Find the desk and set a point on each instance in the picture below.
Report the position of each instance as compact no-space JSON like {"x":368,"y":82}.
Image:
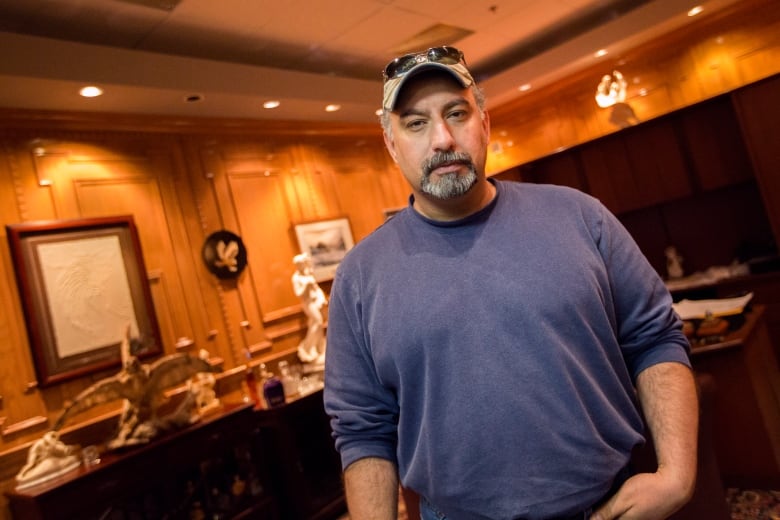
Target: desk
{"x":746,"y":423}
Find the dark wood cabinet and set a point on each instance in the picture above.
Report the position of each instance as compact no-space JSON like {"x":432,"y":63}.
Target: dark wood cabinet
{"x":214,"y":468}
{"x":608,"y":172}
{"x":306,"y":465}
{"x":277,"y":464}
{"x":746,"y":425}
{"x":561,"y":169}
{"x":636,"y":168}
{"x":713,"y":140}
{"x":657,"y":165}
{"x":703,"y":178}
{"x":758,"y":110}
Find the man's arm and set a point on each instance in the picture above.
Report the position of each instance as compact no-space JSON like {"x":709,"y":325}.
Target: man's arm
{"x":667,"y":393}
{"x":371,"y":485}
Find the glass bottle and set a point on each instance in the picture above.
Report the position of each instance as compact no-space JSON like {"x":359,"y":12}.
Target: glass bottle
{"x":273,"y":390}
{"x":251,"y":380}
{"x":288,"y":379}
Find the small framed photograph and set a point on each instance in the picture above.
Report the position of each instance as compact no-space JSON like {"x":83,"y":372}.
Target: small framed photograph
{"x":390,"y":212}
{"x":327,"y":241}
{"x":82,"y":283}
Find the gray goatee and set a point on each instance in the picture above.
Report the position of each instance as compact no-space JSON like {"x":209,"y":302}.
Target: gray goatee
{"x":451,"y":185}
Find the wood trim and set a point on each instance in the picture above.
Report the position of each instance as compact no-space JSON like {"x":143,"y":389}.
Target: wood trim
{"x":11,"y":118}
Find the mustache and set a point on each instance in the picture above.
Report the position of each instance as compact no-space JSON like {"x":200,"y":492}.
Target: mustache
{"x":441,"y":158}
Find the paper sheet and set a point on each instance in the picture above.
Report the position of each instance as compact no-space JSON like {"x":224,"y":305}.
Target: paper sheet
{"x":697,"y":309}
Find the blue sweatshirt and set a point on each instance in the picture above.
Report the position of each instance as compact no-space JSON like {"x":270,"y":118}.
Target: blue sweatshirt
{"x":493,"y":358}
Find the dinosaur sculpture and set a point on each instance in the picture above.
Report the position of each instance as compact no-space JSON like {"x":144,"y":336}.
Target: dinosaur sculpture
{"x":142,"y":387}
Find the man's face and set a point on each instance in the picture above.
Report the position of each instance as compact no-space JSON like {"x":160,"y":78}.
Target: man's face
{"x":438,"y":137}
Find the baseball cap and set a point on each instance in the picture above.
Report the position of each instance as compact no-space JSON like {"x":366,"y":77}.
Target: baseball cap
{"x":401,"y":69}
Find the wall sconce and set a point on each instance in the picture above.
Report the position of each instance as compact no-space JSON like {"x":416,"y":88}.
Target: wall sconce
{"x":611,"y":92}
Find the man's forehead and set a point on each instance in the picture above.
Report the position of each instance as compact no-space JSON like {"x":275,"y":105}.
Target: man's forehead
{"x":426,"y":84}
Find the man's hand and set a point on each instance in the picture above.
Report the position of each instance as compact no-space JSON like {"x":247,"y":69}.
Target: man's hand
{"x":645,"y":496}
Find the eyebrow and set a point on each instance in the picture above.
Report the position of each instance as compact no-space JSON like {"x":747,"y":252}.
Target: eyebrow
{"x":461,"y":100}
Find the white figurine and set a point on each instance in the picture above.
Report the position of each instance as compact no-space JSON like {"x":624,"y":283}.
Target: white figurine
{"x":201,"y":386}
{"x":48,"y":458}
{"x":673,"y":263}
{"x":312,"y":348}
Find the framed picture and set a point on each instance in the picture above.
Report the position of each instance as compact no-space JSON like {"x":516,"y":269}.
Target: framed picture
{"x":390,"y":212}
{"x":81,"y":283}
{"x":327,"y":241}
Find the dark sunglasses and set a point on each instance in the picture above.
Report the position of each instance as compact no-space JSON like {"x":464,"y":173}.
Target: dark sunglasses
{"x":403,"y":64}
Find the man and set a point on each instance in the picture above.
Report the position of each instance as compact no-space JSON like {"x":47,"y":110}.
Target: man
{"x":491,"y":343}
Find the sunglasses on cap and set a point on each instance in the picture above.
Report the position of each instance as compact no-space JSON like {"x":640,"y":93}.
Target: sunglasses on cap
{"x":403,"y":64}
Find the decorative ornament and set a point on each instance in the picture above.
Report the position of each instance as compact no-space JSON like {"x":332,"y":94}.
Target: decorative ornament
{"x":224,"y":254}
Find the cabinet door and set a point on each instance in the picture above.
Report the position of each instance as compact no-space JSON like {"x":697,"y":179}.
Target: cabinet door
{"x":714,"y":143}
{"x":758,"y":109}
{"x":608,"y":174}
{"x":560,"y":169}
{"x":657,"y":162}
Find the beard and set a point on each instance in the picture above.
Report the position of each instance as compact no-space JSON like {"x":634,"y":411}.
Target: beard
{"x":450,"y":185}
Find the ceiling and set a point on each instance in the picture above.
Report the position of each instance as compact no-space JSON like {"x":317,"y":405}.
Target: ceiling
{"x":224,"y":58}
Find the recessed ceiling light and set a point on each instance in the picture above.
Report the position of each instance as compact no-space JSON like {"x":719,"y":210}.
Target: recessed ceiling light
{"x":601,"y":52}
{"x":524,"y":88}
{"x":271,"y":104}
{"x":696,"y":10}
{"x":379,"y":112}
{"x":332,"y":108}
{"x":91,"y":91}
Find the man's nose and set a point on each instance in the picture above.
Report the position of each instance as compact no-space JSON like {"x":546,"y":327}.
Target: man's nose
{"x":442,"y":137}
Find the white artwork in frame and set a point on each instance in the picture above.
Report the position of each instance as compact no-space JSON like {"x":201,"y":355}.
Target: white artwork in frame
{"x":81,"y":283}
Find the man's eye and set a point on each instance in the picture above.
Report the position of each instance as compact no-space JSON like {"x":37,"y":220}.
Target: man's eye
{"x":457,"y":114}
{"x":415,"y":124}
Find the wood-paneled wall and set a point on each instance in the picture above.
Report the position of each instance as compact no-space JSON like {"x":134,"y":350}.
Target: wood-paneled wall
{"x":184,"y":179}
{"x":714,"y":55}
{"x":179,"y":189}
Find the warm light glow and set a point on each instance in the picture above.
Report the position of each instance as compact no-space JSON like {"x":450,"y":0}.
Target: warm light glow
{"x":696,"y":10}
{"x":271,"y":104}
{"x":524,"y":88}
{"x":332,"y":108}
{"x":379,"y":112}
{"x":91,"y":91}
{"x":601,"y":52}
{"x":611,"y":89}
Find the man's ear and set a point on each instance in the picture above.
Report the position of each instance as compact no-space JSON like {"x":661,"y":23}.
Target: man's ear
{"x":390,"y":145}
{"x":486,"y":123}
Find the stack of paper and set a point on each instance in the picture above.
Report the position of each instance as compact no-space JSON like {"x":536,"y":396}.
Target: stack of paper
{"x":698,"y":309}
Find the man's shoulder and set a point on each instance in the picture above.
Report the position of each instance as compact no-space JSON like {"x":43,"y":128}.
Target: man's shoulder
{"x":546,"y":192}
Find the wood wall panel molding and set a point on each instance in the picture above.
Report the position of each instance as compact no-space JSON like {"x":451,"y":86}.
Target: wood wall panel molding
{"x":15,"y":120}
{"x":26,"y":425}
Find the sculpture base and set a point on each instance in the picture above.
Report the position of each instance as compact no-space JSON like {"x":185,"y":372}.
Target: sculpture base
{"x":61,"y":467}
